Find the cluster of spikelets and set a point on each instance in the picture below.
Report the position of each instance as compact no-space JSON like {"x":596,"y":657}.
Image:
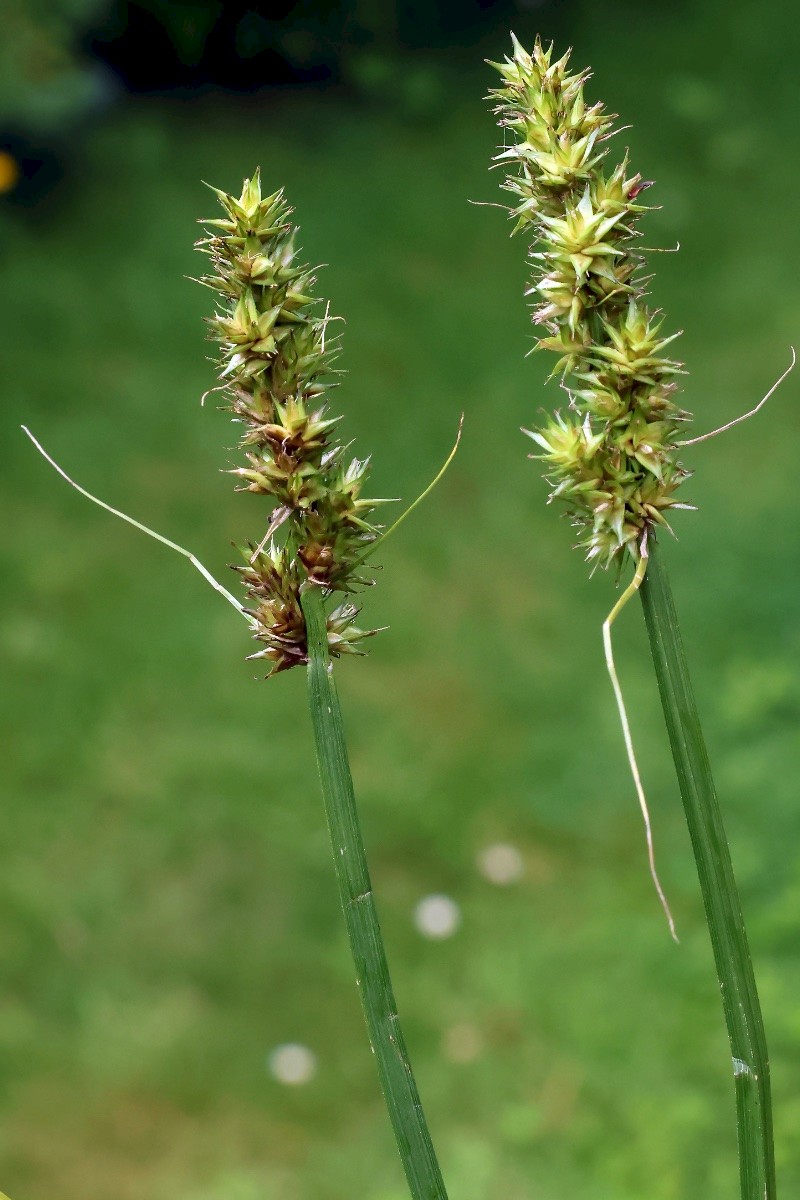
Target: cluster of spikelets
{"x":612,"y":456}
{"x":276,"y":365}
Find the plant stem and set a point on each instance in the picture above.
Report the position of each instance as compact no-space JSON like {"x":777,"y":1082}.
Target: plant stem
{"x":718,"y":885}
{"x":361,"y":917}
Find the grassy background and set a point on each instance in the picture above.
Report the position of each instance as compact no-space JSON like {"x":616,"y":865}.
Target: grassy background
{"x":167,"y":905}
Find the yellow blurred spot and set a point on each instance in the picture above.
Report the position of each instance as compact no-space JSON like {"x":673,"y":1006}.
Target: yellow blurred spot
{"x":9,"y":177}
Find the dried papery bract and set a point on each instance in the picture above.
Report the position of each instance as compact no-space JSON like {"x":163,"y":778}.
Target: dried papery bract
{"x":612,"y":461}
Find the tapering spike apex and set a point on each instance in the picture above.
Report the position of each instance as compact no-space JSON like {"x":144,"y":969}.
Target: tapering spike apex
{"x":276,"y":359}
{"x":614,"y":464}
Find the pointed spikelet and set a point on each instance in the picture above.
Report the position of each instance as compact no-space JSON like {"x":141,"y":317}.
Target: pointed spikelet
{"x":613,"y":461}
{"x":275,"y":367}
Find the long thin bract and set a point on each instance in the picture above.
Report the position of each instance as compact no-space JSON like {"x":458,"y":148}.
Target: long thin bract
{"x":361,"y":917}
{"x":704,"y":437}
{"x":415,"y":504}
{"x":627,"y":595}
{"x":159,"y":537}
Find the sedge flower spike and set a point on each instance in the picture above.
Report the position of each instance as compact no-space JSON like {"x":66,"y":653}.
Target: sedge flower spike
{"x":276,"y":365}
{"x":275,"y":369}
{"x":611,"y":458}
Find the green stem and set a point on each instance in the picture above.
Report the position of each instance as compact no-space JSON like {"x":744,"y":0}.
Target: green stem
{"x":361,"y":917}
{"x":718,"y":885}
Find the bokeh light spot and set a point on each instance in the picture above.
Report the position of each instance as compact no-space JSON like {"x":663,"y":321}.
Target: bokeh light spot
{"x":437,"y":917}
{"x":292,"y":1064}
{"x":9,"y":171}
{"x":501,"y":864}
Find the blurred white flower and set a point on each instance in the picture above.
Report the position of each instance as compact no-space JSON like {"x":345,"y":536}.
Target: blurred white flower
{"x":292,"y":1064}
{"x":437,"y":917}
{"x":501,"y":864}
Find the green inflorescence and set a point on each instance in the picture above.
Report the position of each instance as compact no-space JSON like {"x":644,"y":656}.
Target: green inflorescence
{"x":611,"y":457}
{"x":276,"y":366}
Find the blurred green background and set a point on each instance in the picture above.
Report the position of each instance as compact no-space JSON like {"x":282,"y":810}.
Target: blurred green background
{"x":168,"y":910}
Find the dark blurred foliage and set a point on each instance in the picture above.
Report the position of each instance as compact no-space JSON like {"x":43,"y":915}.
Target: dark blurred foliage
{"x":63,"y":63}
{"x":46,"y":85}
{"x":244,"y":46}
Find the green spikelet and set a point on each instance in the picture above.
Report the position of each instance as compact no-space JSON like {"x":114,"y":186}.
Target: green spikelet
{"x":275,"y":367}
{"x":612,"y":458}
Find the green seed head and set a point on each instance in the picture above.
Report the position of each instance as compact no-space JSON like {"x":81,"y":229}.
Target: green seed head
{"x":612,"y":461}
{"x":275,"y":365}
